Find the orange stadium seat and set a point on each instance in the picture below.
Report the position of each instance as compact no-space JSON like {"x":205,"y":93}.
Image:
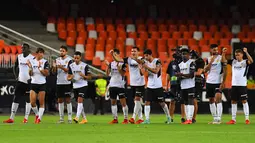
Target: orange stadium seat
{"x":96,"y":62}
{"x":80,"y":27}
{"x":13,"y":58}
{"x":70,"y":41}
{"x":140,"y":43}
{"x":162,"y":48}
{"x":113,"y":35}
{"x":7,"y":49}
{"x":80,"y":40}
{"x":70,"y":26}
{"x":143,"y":35}
{"x":218,"y":35}
{"x":228,"y":35}
{"x":195,"y":47}
{"x":213,"y":41}
{"x":89,"y":55}
{"x":103,"y":34}
{"x":192,"y":28}
{"x":62,"y":34}
{"x":120,"y":27}
{"x":110,"y":41}
{"x":171,"y":42}
{"x":90,"y":27}
{"x":19,"y":49}
{"x":162,"y":27}
{"x":152,"y":28}
{"x":72,"y":34}
{"x":13,"y":49}
{"x":172,"y":28}
{"x":101,"y":41}
{"x":241,"y":35}
{"x":141,"y":28}
{"x":165,"y":35}
{"x":251,"y":35}
{"x":110,"y":27}
{"x":176,"y":35}
{"x":202,"y":42}
{"x":61,"y":26}
{"x":224,"y":41}
{"x":246,"y":28}
{"x":100,"y":27}
{"x":202,"y":28}
{"x":207,"y":35}
{"x":91,"y":41}
{"x":192,"y":41}
{"x":132,"y":35}
{"x":161,"y":42}
{"x":183,"y":28}
{"x":122,"y":34}
{"x":155,"y":35}
{"x":187,"y":35}
{"x":151,"y":41}
{"x":108,"y":48}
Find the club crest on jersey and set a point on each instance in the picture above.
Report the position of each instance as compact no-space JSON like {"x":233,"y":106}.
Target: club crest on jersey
{"x":174,"y":67}
{"x":81,"y":68}
{"x":243,"y":65}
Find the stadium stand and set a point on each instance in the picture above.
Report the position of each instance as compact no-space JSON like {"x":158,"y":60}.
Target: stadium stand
{"x":94,"y":29}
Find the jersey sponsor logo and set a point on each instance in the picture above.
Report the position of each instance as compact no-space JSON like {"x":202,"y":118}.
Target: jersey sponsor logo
{"x":23,"y":64}
{"x":184,"y":69}
{"x":7,"y":90}
{"x":238,"y":67}
{"x":133,"y":65}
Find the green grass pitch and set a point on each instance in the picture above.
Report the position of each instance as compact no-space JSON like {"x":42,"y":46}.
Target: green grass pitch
{"x":99,"y":131}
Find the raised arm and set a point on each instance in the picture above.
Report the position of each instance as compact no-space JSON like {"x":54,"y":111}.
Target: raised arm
{"x":250,"y":60}
{"x":209,"y":64}
{"x":154,"y":70}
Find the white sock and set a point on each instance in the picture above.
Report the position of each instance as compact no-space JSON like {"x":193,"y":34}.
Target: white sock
{"x":234,"y":110}
{"x":14,"y":109}
{"x":137,"y":108}
{"x":79,"y":110}
{"x":61,"y":110}
{"x":41,"y":111}
{"x":213,"y":110}
{"x":83,"y":114}
{"x":166,"y":110}
{"x":219,"y":110}
{"x":147,"y":110}
{"x":114,"y":111}
{"x":191,"y":111}
{"x":140,"y":113}
{"x":35,"y":109}
{"x":69,"y":111}
{"x":125,"y":112}
{"x":28,"y":109}
{"x":246,"y":110}
{"x":186,"y":111}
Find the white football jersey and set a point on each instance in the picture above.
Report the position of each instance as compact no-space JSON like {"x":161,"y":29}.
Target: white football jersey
{"x":186,"y":68}
{"x":75,"y":70}
{"x":117,"y":80}
{"x":23,"y":67}
{"x":215,"y":73}
{"x":136,"y":78}
{"x":38,"y":77}
{"x":61,"y":74}
{"x":239,"y":72}
{"x":154,"y":80}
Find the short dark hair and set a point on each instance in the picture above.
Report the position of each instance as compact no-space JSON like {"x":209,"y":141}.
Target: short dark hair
{"x":77,"y":53}
{"x":212,"y":46}
{"x":116,"y":51}
{"x":137,"y":48}
{"x":39,"y":50}
{"x":148,"y":51}
{"x":25,"y":45}
{"x":63,"y":47}
{"x":239,"y":51}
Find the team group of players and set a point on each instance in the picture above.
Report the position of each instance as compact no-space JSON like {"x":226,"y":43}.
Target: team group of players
{"x":185,"y":77}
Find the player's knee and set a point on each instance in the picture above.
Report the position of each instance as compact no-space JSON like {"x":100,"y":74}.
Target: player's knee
{"x":113,"y":101}
{"x":80,"y":100}
{"x":244,"y":101}
{"x":68,"y":100}
{"x":233,"y":102}
{"x":147,"y":103}
{"x":211,"y":100}
{"x":60,"y":100}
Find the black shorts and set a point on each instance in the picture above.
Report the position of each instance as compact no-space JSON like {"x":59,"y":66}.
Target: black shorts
{"x":198,"y":90}
{"x":187,"y":93}
{"x":212,"y":89}
{"x":63,"y":91}
{"x":174,"y":91}
{"x":239,"y":92}
{"x":21,"y":89}
{"x":137,"y":91}
{"x":116,"y":91}
{"x":80,"y":92}
{"x":154,"y":95}
{"x":38,"y":87}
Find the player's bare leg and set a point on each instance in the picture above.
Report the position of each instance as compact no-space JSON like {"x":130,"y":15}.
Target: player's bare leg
{"x":137,"y":108}
{"x":33,"y":104}
{"x":147,"y":110}
{"x":219,"y":107}
{"x":125,"y":110}
{"x":69,"y":109}
{"x":172,"y":109}
{"x":41,"y":96}
{"x":195,"y":111}
{"x":114,"y":111}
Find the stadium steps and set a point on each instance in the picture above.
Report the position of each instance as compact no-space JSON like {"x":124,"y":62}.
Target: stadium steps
{"x":34,"y":30}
